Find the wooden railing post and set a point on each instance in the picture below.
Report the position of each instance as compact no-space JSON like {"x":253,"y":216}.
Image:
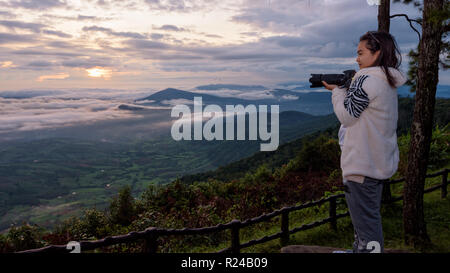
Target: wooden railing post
{"x":284,"y":241}
{"x":386,"y":195}
{"x":333,"y":223}
{"x":151,"y":244}
{"x":444,"y":184}
{"x":235,"y":242}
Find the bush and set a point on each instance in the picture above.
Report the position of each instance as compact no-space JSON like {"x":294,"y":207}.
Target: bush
{"x":261,"y":175}
{"x":93,"y":224}
{"x":25,"y":237}
{"x":322,"y":155}
{"x":5,"y":247}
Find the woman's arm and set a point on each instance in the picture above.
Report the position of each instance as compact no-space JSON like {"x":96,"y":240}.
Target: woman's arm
{"x":338,"y":97}
{"x":342,"y":114}
{"x":349,"y":105}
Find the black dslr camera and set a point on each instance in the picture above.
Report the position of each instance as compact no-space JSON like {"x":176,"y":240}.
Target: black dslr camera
{"x":341,"y":80}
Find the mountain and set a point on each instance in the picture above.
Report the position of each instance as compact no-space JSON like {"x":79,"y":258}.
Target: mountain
{"x":161,"y":98}
{"x":314,"y":103}
{"x":231,"y":86}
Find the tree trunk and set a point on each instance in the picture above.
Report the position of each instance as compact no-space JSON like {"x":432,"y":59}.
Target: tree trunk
{"x":383,"y":15}
{"x":421,"y":129}
{"x":384,"y":21}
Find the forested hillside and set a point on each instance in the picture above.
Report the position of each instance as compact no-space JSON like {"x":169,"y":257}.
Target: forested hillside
{"x":288,"y":150}
{"x":299,"y":171}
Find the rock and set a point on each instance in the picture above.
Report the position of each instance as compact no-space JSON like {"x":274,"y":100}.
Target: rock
{"x":308,"y":249}
{"x":325,"y":249}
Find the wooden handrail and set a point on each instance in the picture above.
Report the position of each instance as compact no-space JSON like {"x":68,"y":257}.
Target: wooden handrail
{"x":151,"y":234}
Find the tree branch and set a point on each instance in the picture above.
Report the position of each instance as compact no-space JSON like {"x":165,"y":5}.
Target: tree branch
{"x":410,"y":22}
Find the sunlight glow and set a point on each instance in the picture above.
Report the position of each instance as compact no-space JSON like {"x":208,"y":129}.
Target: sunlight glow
{"x":98,"y":72}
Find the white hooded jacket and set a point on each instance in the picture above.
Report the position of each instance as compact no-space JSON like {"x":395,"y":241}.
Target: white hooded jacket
{"x":369,"y":112}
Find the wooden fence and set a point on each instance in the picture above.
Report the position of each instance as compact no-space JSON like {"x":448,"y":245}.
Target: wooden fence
{"x":150,"y":235}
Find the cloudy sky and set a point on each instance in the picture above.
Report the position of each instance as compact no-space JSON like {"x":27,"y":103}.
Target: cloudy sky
{"x":154,"y":44}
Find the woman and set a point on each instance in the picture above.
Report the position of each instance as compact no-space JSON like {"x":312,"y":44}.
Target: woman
{"x":368,"y":114}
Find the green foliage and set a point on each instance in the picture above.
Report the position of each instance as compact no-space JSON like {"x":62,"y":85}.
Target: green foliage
{"x":321,"y":154}
{"x":175,"y":196}
{"x":416,"y":3}
{"x":439,"y":148}
{"x":439,"y":155}
{"x":93,"y":224}
{"x":147,"y":219}
{"x":5,"y":247}
{"x":413,"y":68}
{"x":335,"y":174}
{"x":25,"y":237}
{"x":122,"y":207}
{"x":261,"y":175}
{"x":441,"y":116}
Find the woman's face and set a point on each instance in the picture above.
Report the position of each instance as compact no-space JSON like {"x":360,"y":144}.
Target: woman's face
{"x":365,"y":57}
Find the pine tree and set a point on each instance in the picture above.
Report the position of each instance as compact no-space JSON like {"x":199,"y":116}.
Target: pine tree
{"x":426,"y":82}
{"x":122,"y":207}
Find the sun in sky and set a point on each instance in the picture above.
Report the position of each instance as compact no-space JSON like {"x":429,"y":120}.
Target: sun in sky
{"x":99,"y":72}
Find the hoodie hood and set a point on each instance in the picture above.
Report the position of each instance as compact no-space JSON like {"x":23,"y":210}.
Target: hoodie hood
{"x":377,"y":71}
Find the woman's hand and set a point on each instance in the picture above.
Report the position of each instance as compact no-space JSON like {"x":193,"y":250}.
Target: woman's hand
{"x":329,"y":86}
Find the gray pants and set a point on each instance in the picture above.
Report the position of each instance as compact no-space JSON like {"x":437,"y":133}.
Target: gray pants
{"x":364,"y":202}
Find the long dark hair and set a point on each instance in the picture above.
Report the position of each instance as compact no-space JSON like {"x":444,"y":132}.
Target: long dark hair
{"x":390,"y":55}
